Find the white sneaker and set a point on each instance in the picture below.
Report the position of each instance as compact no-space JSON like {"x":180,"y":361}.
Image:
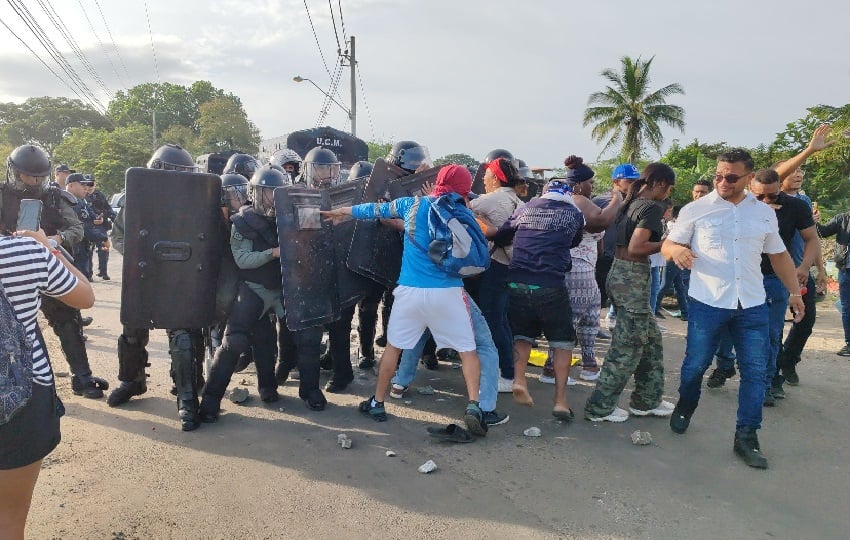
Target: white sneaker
{"x":617,"y":415}
{"x":397,"y":391}
{"x":505,"y":385}
{"x":588,"y":375}
{"x":571,"y":381}
{"x":665,"y":408}
{"x":547,"y":380}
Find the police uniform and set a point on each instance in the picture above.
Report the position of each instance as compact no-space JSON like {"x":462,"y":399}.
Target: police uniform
{"x":100,"y":206}
{"x":92,"y":235}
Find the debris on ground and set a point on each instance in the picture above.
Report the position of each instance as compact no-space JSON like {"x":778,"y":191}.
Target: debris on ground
{"x":343,"y":440}
{"x":390,"y":453}
{"x":641,"y":437}
{"x":239,"y":395}
{"x":428,"y":467}
{"x":532,"y":432}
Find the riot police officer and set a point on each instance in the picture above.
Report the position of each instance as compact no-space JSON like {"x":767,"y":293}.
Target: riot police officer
{"x":288,"y":160}
{"x":254,"y":243}
{"x":104,"y":216}
{"x":27,"y":170}
{"x":186,"y":346}
{"x":92,"y":235}
{"x":243,"y":164}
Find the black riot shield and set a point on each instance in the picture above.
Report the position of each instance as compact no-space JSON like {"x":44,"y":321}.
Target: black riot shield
{"x":306,"y":257}
{"x":375,"y":250}
{"x":350,"y":286}
{"x":414,"y":185}
{"x":478,"y":180}
{"x":172,"y":248}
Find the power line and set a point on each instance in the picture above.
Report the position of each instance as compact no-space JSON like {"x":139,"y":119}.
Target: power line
{"x":29,"y":20}
{"x":309,"y":18}
{"x":333,"y":20}
{"x":108,"y":31}
{"x":50,"y":69}
{"x":102,"y":46}
{"x":54,"y":18}
{"x":342,"y":21}
{"x":155,"y":63}
{"x":331,"y":91}
{"x":366,"y":103}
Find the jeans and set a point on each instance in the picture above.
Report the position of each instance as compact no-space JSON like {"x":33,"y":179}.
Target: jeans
{"x":844,"y":296}
{"x":492,"y":298}
{"x":751,"y":339}
{"x":487,"y":354}
{"x":654,"y":288}
{"x":674,"y":279}
{"x":777,"y":304}
{"x":725,"y":354}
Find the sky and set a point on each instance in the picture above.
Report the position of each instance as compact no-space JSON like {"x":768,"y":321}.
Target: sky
{"x":462,"y":76}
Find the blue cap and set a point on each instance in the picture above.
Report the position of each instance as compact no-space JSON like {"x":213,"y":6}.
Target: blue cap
{"x":625,"y":171}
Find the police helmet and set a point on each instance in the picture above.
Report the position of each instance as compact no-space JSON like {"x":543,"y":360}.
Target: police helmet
{"x":321,"y":168}
{"x":261,"y":189}
{"x":409,"y":155}
{"x":242,"y":164}
{"x":360,"y":169}
{"x":289,"y":160}
{"x":500,"y":153}
{"x":234,"y":191}
{"x":172,"y":157}
{"x":31,"y":161}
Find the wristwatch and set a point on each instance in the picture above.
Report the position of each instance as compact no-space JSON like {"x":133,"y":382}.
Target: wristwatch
{"x":62,"y":237}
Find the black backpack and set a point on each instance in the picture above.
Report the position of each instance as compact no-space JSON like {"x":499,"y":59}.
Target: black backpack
{"x":15,"y":361}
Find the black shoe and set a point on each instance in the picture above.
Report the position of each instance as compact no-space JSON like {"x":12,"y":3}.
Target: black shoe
{"x":790,"y":375}
{"x":769,"y":399}
{"x":474,"y":419}
{"x":326,"y":361}
{"x":269,"y":395}
{"x":495,"y":418}
{"x":88,"y":387}
{"x":245,"y":360}
{"x":683,"y":318}
{"x":718,"y":378}
{"x":85,"y":321}
{"x":845,"y":350}
{"x":366,"y":362}
{"x":679,"y":420}
{"x":381,"y":341}
{"x":377,"y":411}
{"x":430,"y":362}
{"x":335,"y":386}
{"x":747,"y":446}
{"x":209,"y":410}
{"x":315,"y":400}
{"x":125,"y":391}
{"x":105,"y":277}
{"x":660,"y":316}
{"x":188,"y":411}
{"x":776,"y":387}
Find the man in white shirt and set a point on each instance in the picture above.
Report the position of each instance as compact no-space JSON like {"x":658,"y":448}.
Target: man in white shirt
{"x":720,"y":238}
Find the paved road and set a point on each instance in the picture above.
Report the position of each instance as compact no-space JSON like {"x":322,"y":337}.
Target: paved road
{"x":276,"y":471}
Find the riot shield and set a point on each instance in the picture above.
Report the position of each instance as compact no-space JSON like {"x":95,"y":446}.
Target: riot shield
{"x":172,"y":248}
{"x":306,"y":257}
{"x":413,"y":185}
{"x":535,"y":189}
{"x":375,"y":250}
{"x":478,"y":180}
{"x":350,"y":287}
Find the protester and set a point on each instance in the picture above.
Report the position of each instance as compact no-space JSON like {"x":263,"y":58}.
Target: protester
{"x":32,"y":268}
{"x":636,"y":341}
{"x":721,"y":237}
{"x":839,"y":227}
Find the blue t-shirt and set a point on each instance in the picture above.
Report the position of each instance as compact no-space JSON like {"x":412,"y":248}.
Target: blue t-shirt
{"x":417,"y":270}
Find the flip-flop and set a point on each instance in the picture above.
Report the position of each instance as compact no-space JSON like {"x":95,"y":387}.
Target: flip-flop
{"x":564,"y":416}
{"x":450,"y":433}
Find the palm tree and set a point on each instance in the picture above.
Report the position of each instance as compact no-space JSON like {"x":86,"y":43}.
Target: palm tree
{"x":628,"y":112}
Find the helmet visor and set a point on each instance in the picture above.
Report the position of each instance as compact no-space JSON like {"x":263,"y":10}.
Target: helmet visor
{"x":234,"y":197}
{"x":413,"y":158}
{"x":264,"y":200}
{"x":322,"y":176}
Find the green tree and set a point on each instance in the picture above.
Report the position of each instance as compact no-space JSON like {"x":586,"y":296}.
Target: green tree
{"x":461,"y":159}
{"x":225,"y":126}
{"x":45,"y":121}
{"x":378,"y":149}
{"x":628,"y":113}
{"x":106,"y":154}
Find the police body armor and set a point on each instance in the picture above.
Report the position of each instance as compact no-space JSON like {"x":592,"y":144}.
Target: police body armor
{"x":51,"y":219}
{"x":317,"y":285}
{"x":375,"y":250}
{"x":263,"y":234}
{"x":172,"y":249}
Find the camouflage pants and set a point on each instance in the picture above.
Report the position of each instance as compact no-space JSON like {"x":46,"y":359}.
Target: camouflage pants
{"x":635,"y":344}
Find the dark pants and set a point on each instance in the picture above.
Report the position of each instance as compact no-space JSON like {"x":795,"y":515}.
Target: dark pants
{"x":799,"y":334}
{"x":247,"y":324}
{"x":367,"y":320}
{"x":339,"y":341}
{"x":82,"y":258}
{"x":674,"y":281}
{"x":603,"y":266}
{"x":102,"y":261}
{"x":493,"y":300}
{"x":67,"y":324}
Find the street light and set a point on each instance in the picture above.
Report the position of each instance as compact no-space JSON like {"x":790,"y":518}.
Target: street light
{"x":299,"y":78}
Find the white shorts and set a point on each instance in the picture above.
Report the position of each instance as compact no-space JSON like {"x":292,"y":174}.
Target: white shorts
{"x":443,"y":311}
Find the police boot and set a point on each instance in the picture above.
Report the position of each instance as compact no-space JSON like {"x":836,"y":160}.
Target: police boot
{"x":184,"y":376}
{"x":70,"y":336}
{"x":132,"y":361}
{"x":747,"y":446}
{"x":308,"y":343}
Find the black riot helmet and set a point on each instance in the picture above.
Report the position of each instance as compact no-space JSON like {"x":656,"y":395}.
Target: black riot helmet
{"x":242,"y":164}
{"x":321,"y":168}
{"x":234,"y":192}
{"x":409,"y":155}
{"x":172,"y":157}
{"x":360,"y":169}
{"x":524,"y":169}
{"x":31,"y":161}
{"x":288,"y":160}
{"x":261,"y":189}
{"x":500,"y":153}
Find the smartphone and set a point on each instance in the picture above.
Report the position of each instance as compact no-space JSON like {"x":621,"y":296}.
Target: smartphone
{"x":29,"y":215}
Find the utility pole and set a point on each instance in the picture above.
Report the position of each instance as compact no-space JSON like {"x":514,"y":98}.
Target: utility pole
{"x":353,"y":62}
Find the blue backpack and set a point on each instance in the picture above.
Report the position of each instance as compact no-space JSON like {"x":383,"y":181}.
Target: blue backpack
{"x":457,"y":245}
{"x":15,"y":361}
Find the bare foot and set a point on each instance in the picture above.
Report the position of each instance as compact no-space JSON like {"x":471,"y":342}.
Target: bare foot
{"x":522,"y":396}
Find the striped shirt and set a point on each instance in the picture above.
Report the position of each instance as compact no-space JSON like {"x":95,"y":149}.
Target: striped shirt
{"x":26,"y":269}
